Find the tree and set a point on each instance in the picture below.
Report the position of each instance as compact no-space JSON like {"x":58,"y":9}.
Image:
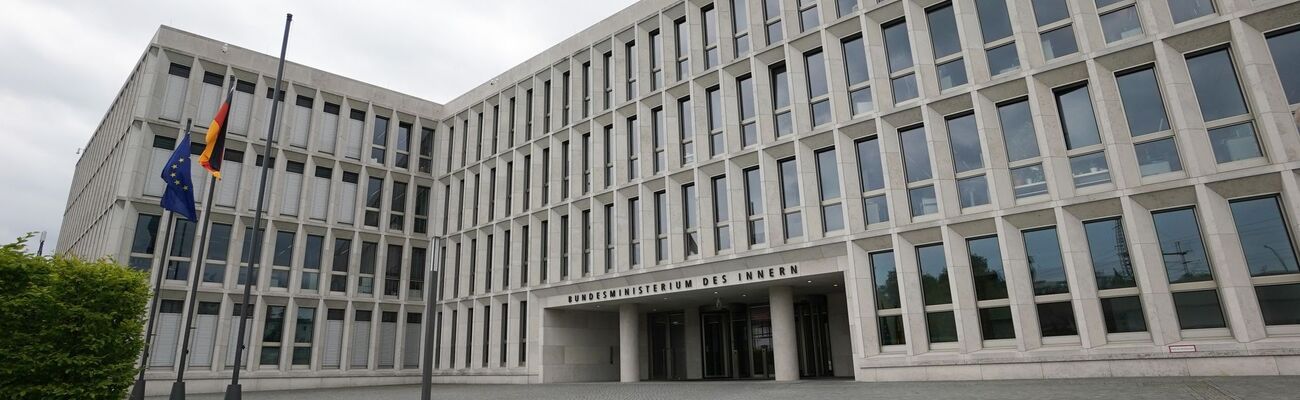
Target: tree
{"x":69,"y":328}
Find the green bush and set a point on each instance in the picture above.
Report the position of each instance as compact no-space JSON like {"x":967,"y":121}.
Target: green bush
{"x":69,"y":329}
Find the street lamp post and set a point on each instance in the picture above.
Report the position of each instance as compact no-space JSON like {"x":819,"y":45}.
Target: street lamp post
{"x":426,"y":373}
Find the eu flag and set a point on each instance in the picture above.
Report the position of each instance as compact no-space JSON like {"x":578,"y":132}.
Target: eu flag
{"x":179,"y":196}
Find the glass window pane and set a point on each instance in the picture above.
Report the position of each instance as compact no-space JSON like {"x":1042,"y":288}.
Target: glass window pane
{"x":861,"y":101}
{"x":1057,"y":319}
{"x":891,"y":331}
{"x":1121,"y":24}
{"x":828,"y":175}
{"x":1018,"y":130}
{"x":973,"y":191}
{"x":793,"y":225}
{"x":816,"y":69}
{"x":833,"y":217}
{"x":1049,"y":11}
{"x":1123,"y":314}
{"x":934,"y":275}
{"x":1199,"y":310}
{"x":1181,"y":246}
{"x":789,"y":183}
{"x":964,"y":138}
{"x":952,"y":74}
{"x":1003,"y":59}
{"x":1286,"y":52}
{"x":821,"y":112}
{"x":1186,"y":10}
{"x":916,"y":154}
{"x":885,"y":277}
{"x":986,"y":267}
{"x":1235,"y":142}
{"x":1074,"y":105}
{"x":1215,"y":82}
{"x":996,"y":323}
{"x":898,"y":48}
{"x":1028,"y":181}
{"x":1158,"y":157}
{"x":855,"y":60}
{"x":1265,"y":240}
{"x":876,"y":209}
{"x":1090,"y":169}
{"x":923,"y":201}
{"x":1280,"y":304}
{"x":995,"y":23}
{"x":869,"y":164}
{"x":780,"y":87}
{"x":943,"y":31}
{"x":1046,"y":268}
{"x":1109,"y":253}
{"x":1143,"y":107}
{"x":785,"y":123}
{"x":941,"y":326}
{"x":904,"y":88}
{"x":753,"y":192}
{"x":1058,"y":42}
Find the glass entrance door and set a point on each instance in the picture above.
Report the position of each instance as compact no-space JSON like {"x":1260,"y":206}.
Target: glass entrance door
{"x":668,"y":346}
{"x":812,"y":337}
{"x":716,"y":343}
{"x":760,"y":335}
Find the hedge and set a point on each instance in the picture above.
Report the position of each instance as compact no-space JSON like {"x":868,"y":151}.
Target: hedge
{"x":69,"y":328}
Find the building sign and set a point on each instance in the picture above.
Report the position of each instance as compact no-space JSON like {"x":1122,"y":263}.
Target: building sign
{"x":687,"y":284}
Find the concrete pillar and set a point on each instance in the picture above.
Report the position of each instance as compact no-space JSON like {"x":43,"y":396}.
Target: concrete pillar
{"x":629,"y":360}
{"x":694,"y":345}
{"x":785,"y":350}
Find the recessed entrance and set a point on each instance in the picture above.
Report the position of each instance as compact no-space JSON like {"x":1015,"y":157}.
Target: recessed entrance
{"x":668,"y":346}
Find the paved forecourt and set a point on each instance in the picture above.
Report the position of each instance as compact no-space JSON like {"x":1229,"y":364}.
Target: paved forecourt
{"x":1101,"y":388}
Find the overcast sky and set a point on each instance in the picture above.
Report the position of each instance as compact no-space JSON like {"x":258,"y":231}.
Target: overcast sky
{"x":64,"y":62}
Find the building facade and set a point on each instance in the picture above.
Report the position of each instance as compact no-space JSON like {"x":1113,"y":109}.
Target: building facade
{"x":732,"y":189}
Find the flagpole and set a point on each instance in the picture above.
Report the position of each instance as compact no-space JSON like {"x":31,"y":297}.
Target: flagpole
{"x":137,"y":391}
{"x":426,"y":374}
{"x":233,"y":391}
{"x":178,"y":388}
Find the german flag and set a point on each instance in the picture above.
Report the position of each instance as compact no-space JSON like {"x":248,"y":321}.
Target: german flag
{"x":216,"y":137}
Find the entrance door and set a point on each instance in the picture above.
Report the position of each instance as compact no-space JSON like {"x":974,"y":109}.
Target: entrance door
{"x":760,"y":334}
{"x":813,"y":337}
{"x":717,"y":344}
{"x":668,"y":346}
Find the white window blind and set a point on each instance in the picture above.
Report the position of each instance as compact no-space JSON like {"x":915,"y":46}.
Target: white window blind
{"x":174,"y":99}
{"x":360,"y":349}
{"x":333,"y":344}
{"x":228,"y":187}
{"x":165,"y":340}
{"x":205,"y":337}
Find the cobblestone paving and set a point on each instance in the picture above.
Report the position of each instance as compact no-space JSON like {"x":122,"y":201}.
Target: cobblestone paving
{"x":1108,"y":389}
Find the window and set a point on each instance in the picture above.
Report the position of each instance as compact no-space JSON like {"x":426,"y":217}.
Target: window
{"x":415,"y":273}
{"x":586,"y":242}
{"x":999,"y":45}
{"x":272,"y":336}
{"x":630,"y":61}
{"x":1051,"y":287}
{"x":292,"y":190}
{"x":682,"y":50}
{"x":374,"y":194}
{"x":366,"y":280}
{"x":783,"y":118}
{"x":691,"y":220}
{"x":1270,"y":256}
{"x":178,"y":77}
{"x":422,"y":197}
{"x":214,"y":269}
{"x":1018,"y":130}
{"x":661,"y":226}
{"x":990,"y":288}
{"x":1077,"y":119}
{"x":523,"y":332}
{"x":686,"y":129}
{"x":282,"y":259}
{"x":889,"y":303}
{"x":397,"y":207}
{"x":607,"y":79}
{"x":857,"y":73}
{"x":633,"y":231}
{"x":402,"y":156}
{"x":504,"y":323}
{"x":469,"y":336}
{"x":656,"y":60}
{"x":1188,"y":268}
{"x":898,"y":49}
{"x":311,"y":262}
{"x":143,"y":241}
{"x":505,"y":261}
{"x":210,"y":98}
{"x":393,"y":270}
{"x":564,"y":247}
{"x":1187,"y":10}
{"x":947,"y":46}
{"x":748,"y":112}
{"x":303,"y":329}
{"x":721,"y":214}
{"x":713,"y":100}
{"x":1090,"y":169}
{"x":1285,"y":47}
{"x":546,"y":107}
{"x":487,"y":328}
{"x":609,"y":237}
{"x":608,"y":152}
{"x":968,"y":160}
{"x":586,"y":165}
{"x":772,"y":21}
{"x":659,"y":141}
{"x":379,"y":142}
{"x":792,"y":216}
{"x":473,"y":267}
{"x":341,"y":263}
{"x":845,"y":7}
{"x":523,"y":258}
{"x":1054,"y":28}
{"x":936,"y":293}
{"x":828,"y":185}
{"x":565,"y":98}
{"x":710,"y":28}
{"x":1214,"y":79}
{"x":565,"y":173}
{"x":1123,"y":314}
{"x":818,"y":88}
{"x":633,"y":127}
{"x":528,"y":182}
{"x":528,"y":114}
{"x":740,"y":26}
{"x":916,"y":168}
{"x":1108,"y":249}
{"x":808,"y":15}
{"x":1119,"y":20}
{"x":754,"y":207}
{"x":872,"y":180}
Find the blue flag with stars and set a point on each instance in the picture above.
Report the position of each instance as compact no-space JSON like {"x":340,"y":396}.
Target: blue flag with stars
{"x":179,"y":196}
